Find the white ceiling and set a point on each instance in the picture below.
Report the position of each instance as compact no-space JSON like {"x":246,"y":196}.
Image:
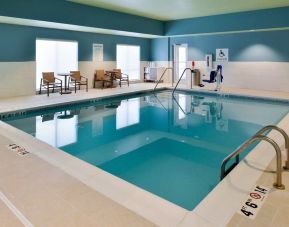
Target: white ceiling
{"x":179,"y":9}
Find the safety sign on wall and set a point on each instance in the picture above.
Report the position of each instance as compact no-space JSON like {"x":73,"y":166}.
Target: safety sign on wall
{"x":222,"y":55}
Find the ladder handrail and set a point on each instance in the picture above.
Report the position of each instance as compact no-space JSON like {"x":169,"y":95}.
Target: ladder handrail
{"x":162,"y":77}
{"x":174,"y":98}
{"x":160,"y":102}
{"x":286,"y":138}
{"x":181,"y":78}
{"x":278,"y":184}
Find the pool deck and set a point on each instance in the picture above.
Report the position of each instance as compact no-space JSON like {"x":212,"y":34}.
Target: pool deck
{"x":48,"y":187}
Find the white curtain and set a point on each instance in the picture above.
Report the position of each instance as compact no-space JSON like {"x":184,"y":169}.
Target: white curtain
{"x":128,"y":60}
{"x":55,"y":56}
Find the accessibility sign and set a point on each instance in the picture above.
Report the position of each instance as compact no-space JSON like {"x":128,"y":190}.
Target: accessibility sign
{"x":222,"y":55}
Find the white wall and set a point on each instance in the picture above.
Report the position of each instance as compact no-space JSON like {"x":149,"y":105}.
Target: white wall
{"x":272,"y":76}
{"x":17,"y":79}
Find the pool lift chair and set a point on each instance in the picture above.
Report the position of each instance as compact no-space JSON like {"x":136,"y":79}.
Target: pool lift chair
{"x":216,"y":76}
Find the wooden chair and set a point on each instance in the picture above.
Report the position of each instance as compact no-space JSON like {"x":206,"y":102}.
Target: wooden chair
{"x":101,"y":76}
{"x":76,"y":80}
{"x":121,"y":77}
{"x":49,"y":81}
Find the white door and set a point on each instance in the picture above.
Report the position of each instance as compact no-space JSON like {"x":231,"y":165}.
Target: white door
{"x":180,"y":61}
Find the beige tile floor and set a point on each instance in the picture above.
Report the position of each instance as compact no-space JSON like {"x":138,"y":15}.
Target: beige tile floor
{"x":7,"y":218}
{"x":26,"y":102}
{"x":275,"y":211}
{"x":47,"y":196}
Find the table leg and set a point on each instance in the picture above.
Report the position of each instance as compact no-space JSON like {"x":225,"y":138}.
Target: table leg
{"x":66,"y":91}
{"x":112,"y":77}
{"x":65,"y":82}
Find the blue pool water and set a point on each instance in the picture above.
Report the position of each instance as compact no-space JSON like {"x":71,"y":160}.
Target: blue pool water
{"x":172,"y":147}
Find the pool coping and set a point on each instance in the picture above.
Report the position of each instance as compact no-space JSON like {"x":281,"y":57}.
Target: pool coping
{"x":151,"y":207}
{"x":75,"y":102}
{"x":22,"y":111}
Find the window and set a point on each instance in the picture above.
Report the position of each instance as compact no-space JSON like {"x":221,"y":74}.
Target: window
{"x":97,"y":50}
{"x":128,"y":60}
{"x":127,"y":113}
{"x":55,"y":56}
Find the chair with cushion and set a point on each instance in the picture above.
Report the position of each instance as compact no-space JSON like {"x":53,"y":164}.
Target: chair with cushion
{"x":101,"y":76}
{"x":49,"y":81}
{"x":76,"y":80}
{"x":121,"y":77}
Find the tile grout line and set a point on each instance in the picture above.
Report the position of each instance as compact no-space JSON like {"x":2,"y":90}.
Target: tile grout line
{"x":15,"y":211}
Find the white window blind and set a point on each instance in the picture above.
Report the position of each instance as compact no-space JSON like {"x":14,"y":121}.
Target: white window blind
{"x":128,"y":60}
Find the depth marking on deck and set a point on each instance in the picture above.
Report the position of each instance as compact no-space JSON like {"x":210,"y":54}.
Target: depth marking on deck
{"x":254,"y":201}
{"x":18,"y":149}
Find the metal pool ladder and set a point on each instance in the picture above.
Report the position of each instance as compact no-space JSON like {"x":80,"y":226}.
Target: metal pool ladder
{"x":259,"y":136}
{"x":162,"y":77}
{"x":192,"y":71}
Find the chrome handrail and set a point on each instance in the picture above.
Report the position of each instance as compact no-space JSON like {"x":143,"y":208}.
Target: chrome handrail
{"x":160,"y":102}
{"x":278,"y":184}
{"x":286,"y":138}
{"x":162,"y":77}
{"x":174,"y":98}
{"x":191,"y":70}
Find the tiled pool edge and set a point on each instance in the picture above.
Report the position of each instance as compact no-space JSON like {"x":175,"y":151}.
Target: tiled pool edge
{"x":235,"y":187}
{"x":23,"y":111}
{"x":74,"y":102}
{"x":143,"y":203}
{"x":199,"y":216}
{"x":225,"y":94}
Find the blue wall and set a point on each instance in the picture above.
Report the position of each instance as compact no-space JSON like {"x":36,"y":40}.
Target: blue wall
{"x":251,"y":46}
{"x":160,"y":49}
{"x":62,"y":11}
{"x":260,"y":19}
{"x":17,"y":43}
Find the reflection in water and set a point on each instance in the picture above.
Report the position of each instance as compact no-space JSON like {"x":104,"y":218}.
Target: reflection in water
{"x":57,"y":129}
{"x":128,"y":113}
{"x":182,"y":106}
{"x":169,"y":146}
{"x":210,"y":109}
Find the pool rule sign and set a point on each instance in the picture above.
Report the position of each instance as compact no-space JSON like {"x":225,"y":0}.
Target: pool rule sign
{"x":254,"y":202}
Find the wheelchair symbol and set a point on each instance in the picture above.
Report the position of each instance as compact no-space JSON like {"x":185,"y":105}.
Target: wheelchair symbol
{"x":221,"y":54}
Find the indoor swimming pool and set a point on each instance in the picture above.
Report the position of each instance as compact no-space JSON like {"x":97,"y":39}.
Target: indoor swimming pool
{"x":171,"y":146}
